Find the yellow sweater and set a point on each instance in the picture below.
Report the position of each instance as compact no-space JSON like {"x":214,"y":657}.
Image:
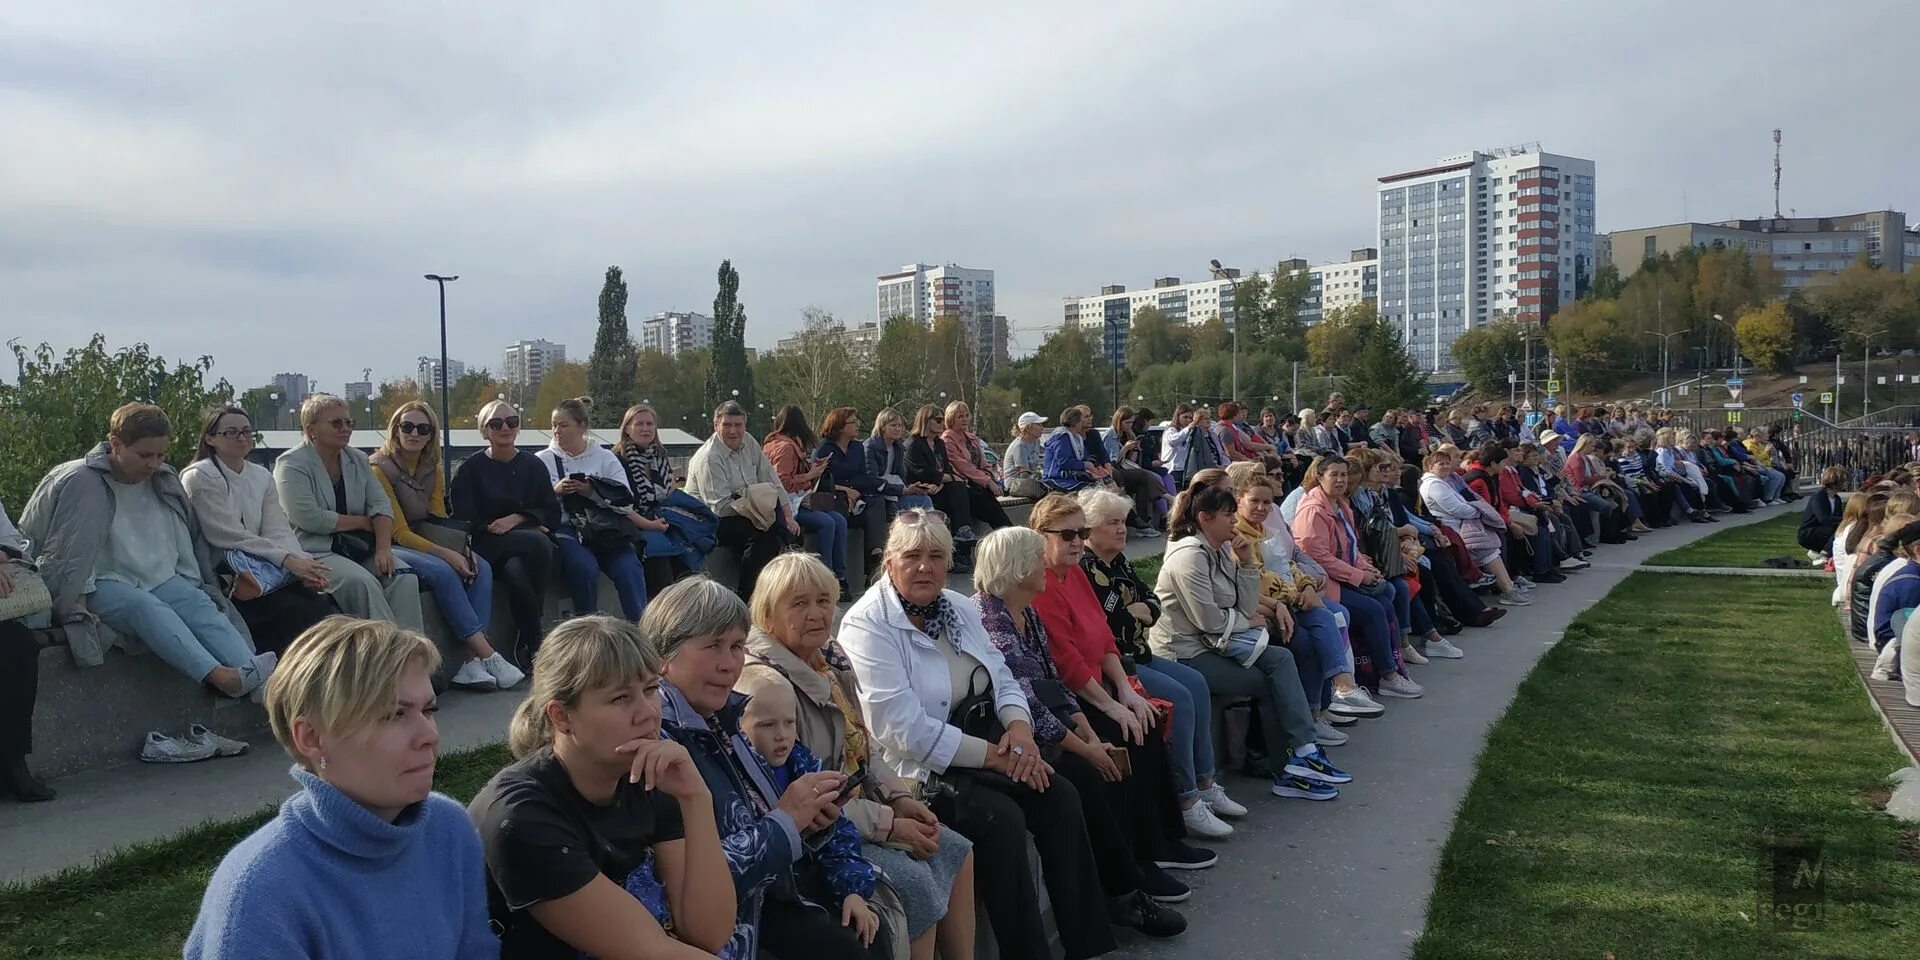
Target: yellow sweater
{"x":403,"y":535}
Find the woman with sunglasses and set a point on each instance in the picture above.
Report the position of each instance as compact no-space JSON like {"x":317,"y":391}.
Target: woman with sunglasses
{"x":927,"y":466}
{"x":408,"y":468}
{"x":503,"y":493}
{"x":278,"y":587}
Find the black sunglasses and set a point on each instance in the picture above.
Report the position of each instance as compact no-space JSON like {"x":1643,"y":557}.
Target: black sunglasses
{"x":423,"y":429}
{"x":509,"y":423}
{"x":1073,"y":535}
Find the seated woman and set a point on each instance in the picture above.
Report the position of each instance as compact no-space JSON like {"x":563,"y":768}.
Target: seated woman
{"x":701,"y":630}
{"x":1321,"y":653}
{"x":594,"y":802}
{"x":887,"y":460}
{"x":1209,"y":594}
{"x":503,"y":494}
{"x":846,"y":462}
{"x":672,"y":542}
{"x":1389,"y":540}
{"x":968,"y":457}
{"x":1447,"y":562}
{"x":927,"y":465}
{"x":120,"y":544}
{"x":1326,"y":530}
{"x":788,"y":447}
{"x":926,"y":868}
{"x":574,"y":461}
{"x":278,"y":588}
{"x":1020,"y":468}
{"x":1130,"y":607}
{"x":925,"y":665}
{"x":19,"y":678}
{"x":364,"y":861}
{"x":408,"y":468}
{"x":344,"y":518}
{"x":1132,"y":452}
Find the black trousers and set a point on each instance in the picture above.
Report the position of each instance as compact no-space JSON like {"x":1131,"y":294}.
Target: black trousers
{"x":275,"y":619}
{"x":19,"y":686}
{"x":522,"y":560}
{"x":790,"y":930}
{"x":1148,"y":807}
{"x":1143,"y":489}
{"x":999,"y":823}
{"x":1446,"y":585}
{"x":872,"y":521}
{"x":662,"y":572}
{"x":983,"y":505}
{"x":757,"y":547}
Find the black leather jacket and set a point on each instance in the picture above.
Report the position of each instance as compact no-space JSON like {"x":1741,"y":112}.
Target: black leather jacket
{"x":1863,"y":574}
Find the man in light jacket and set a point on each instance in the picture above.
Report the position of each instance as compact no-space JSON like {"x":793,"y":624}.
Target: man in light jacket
{"x":119,"y":544}
{"x":720,"y":473}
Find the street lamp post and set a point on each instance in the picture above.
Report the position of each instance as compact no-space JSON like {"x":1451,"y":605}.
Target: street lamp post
{"x":446,"y":383}
{"x":1220,"y":273}
{"x":1665,"y":359}
{"x":1113,"y":358}
{"x":1866,"y":369}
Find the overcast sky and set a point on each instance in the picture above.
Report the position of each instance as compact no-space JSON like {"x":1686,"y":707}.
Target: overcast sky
{"x":267,"y":182}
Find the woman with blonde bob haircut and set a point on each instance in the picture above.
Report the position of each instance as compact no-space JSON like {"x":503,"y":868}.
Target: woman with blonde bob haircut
{"x":366,"y":860}
{"x":595,"y":801}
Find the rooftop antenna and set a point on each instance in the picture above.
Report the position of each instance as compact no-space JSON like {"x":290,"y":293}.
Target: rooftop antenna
{"x":366,"y":374}
{"x":1776,"y":173}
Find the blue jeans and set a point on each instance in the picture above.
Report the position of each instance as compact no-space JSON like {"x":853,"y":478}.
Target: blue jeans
{"x":1320,"y":653}
{"x":466,"y":607}
{"x":831,"y":527}
{"x":177,"y":619}
{"x":1191,"y":747}
{"x":1772,"y":480}
{"x":1374,"y":630}
{"x":582,"y":568}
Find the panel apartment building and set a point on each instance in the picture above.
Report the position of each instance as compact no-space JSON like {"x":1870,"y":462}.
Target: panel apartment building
{"x":674,"y":333}
{"x":927,"y":293}
{"x":526,"y":362}
{"x":1806,"y":251}
{"x":1480,"y":236}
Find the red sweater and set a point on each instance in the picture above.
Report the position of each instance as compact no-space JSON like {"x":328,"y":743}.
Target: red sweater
{"x":1077,"y":631}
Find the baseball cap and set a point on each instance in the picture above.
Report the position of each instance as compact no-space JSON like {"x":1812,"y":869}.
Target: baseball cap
{"x":1030,"y":418}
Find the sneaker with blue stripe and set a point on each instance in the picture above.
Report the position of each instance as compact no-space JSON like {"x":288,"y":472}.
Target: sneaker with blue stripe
{"x":1288,"y":785}
{"x":1314,"y":766}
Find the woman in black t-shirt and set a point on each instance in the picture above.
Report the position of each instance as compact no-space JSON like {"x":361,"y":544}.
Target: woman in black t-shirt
{"x":597,"y":802}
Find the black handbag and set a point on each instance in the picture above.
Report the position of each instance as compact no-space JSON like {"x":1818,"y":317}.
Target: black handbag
{"x":597,"y":521}
{"x":355,"y":545}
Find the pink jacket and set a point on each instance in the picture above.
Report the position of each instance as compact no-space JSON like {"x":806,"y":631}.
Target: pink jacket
{"x":1320,"y":534}
{"x":963,"y":456}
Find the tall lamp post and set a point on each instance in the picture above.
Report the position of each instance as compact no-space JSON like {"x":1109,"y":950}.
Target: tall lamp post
{"x":1220,"y":273}
{"x":446,"y":383}
{"x":1665,"y":364}
{"x":1116,"y":351}
{"x":1866,"y":369}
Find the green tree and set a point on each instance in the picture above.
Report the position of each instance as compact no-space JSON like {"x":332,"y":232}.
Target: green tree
{"x":1268,"y":311}
{"x":401,"y":390}
{"x":1487,"y":354}
{"x":1864,"y":302}
{"x":1067,"y":369}
{"x":1383,"y":374}
{"x":816,"y":373}
{"x":1211,"y":336}
{"x":895,"y":377}
{"x":610,"y":368}
{"x":561,"y":381}
{"x":58,"y":410}
{"x":1766,"y":336}
{"x":1607,"y":284}
{"x":1332,"y":345}
{"x":728,"y":377}
{"x":1154,"y":339}
{"x":477,"y":388}
{"x":259,"y":404}
{"x":1588,"y":341}
{"x":951,"y":362}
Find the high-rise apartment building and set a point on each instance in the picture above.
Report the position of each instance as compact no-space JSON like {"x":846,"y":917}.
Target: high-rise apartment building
{"x":526,"y":362}
{"x":292,"y":388}
{"x":1349,"y":283}
{"x":929,"y":293}
{"x":1804,"y":251}
{"x":1481,"y":236}
{"x":673,"y":333}
{"x":429,"y":375}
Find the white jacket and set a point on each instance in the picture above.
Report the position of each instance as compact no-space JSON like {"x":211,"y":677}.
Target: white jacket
{"x":905,"y":686}
{"x":594,"y":461}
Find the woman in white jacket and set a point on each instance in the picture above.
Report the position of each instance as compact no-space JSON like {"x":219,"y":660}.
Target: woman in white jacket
{"x":920,"y":654}
{"x":1480,"y":526}
{"x":573,"y":462}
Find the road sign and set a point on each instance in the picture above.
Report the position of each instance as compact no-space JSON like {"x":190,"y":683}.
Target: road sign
{"x":1733,"y":416}
{"x":1826,"y":397}
{"x":1512,"y":378}
{"x":1799,"y":400}
{"x":1683,"y":389}
{"x":1526,"y":405}
{"x":1883,"y":381}
{"x":1734,"y":405}
{"x":1839,"y":381}
{"x":1734,"y":386}
{"x":1553,"y":386}
{"x":1803,"y":378}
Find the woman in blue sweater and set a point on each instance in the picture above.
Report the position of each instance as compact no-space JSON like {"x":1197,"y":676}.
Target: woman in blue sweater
{"x":365,"y":861}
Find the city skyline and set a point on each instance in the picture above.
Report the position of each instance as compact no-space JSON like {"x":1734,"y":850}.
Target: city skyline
{"x":225,"y":167}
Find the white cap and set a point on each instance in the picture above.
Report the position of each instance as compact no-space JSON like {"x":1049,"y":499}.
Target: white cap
{"x":1030,"y":418}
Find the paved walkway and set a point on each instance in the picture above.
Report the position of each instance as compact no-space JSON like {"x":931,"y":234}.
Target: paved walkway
{"x":1347,"y":879}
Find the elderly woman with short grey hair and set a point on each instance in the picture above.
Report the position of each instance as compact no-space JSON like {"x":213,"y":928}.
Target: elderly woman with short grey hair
{"x":701,"y":630}
{"x":946,"y":713}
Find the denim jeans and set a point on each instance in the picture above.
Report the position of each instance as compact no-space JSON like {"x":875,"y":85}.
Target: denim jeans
{"x":177,"y":619}
{"x":1373,"y":627}
{"x":1771,"y":480}
{"x":1320,"y":653}
{"x":831,"y":527}
{"x":1274,"y":682}
{"x":582,"y":568}
{"x":1191,"y":746}
{"x":466,"y":607}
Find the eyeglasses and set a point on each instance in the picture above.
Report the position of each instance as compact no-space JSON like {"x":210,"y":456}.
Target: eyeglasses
{"x":1071,"y":536}
{"x":504,"y":423}
{"x":339,"y":423}
{"x":919,"y":515}
{"x":235,"y":433}
{"x":423,"y":429}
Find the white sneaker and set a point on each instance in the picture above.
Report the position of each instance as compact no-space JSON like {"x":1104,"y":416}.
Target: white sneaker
{"x":504,"y":672}
{"x":1395,"y":685}
{"x":1410,"y":655}
{"x":1522,"y":584}
{"x":160,"y":748}
{"x":1356,"y":703}
{"x":1201,"y":822}
{"x":473,"y":675}
{"x":1325,"y":735}
{"x":1515,"y":599}
{"x":254,"y":675}
{"x":1216,"y":797}
{"x":1574,"y":563}
{"x":1445,"y":650}
{"x":199,"y":735}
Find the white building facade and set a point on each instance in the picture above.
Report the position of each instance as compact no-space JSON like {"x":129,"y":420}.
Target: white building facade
{"x":427,"y":372}
{"x":674,"y":333}
{"x":1482,"y":236}
{"x":928,"y":293}
{"x":526,"y":362}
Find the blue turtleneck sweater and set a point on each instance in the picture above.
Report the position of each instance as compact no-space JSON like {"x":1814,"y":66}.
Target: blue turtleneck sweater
{"x":327,"y":878}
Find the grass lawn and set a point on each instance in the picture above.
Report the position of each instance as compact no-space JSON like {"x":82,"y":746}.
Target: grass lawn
{"x":1740,"y":547}
{"x":1622,"y":805}
{"x":141,"y":902}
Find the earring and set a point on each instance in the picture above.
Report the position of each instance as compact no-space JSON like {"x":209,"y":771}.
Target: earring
{"x":323,"y":764}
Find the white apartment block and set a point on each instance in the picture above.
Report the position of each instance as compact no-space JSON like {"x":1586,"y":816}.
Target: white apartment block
{"x":1481,"y":236}
{"x":1346,"y":284}
{"x":927,"y":293}
{"x":674,"y":333}
{"x":526,"y":362}
{"x":428,"y":375}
